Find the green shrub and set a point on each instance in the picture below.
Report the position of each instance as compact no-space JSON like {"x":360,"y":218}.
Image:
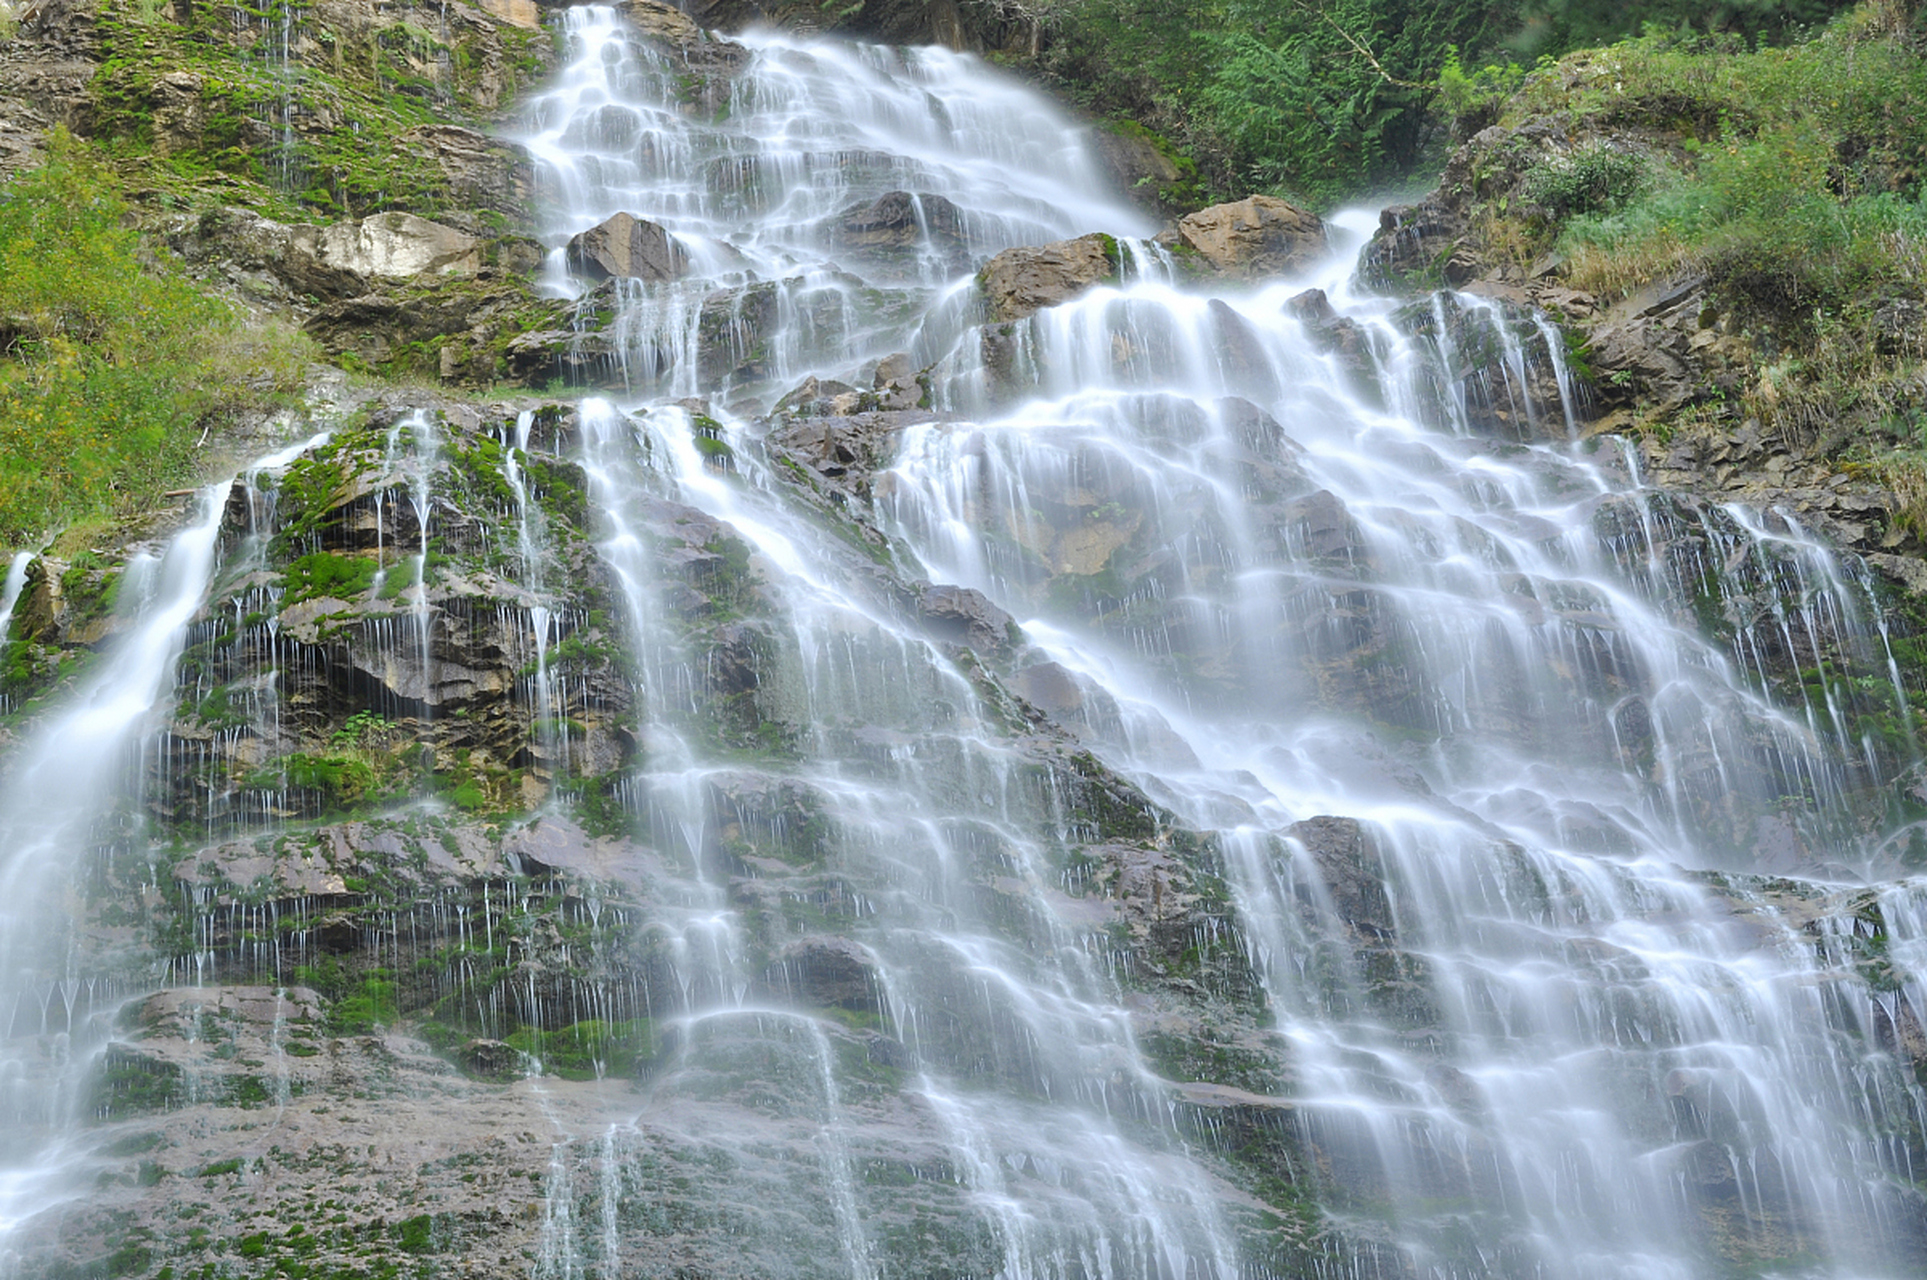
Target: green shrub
{"x":1800,"y":190}
{"x":1593,"y":179}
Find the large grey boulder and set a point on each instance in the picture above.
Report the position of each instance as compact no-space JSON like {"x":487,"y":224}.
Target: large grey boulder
{"x":901,"y":228}
{"x":626,"y":247}
{"x":391,"y":246}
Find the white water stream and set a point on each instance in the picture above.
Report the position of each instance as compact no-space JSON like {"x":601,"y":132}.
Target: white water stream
{"x":1548,"y":693}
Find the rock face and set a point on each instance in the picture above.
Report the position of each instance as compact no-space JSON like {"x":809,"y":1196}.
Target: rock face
{"x":708,"y":64}
{"x":1018,"y":282}
{"x":341,"y":259}
{"x":392,"y":246}
{"x":1138,"y":167}
{"x":626,"y":247}
{"x":1255,"y":238}
{"x":898,"y":230}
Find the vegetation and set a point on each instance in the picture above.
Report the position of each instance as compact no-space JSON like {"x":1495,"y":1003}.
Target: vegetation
{"x":113,"y":367}
{"x":1797,"y":183}
{"x":1327,"y":100}
{"x":1789,"y":177}
{"x":327,"y":132}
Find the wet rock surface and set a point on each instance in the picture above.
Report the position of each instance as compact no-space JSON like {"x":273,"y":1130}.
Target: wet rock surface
{"x":626,"y":247}
{"x":1018,"y":282}
{"x":899,"y":232}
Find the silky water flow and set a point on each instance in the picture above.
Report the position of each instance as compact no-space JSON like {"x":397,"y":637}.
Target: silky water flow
{"x":1275,"y":590}
{"x":1486,"y":747}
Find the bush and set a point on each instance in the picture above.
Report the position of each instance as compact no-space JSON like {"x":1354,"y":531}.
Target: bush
{"x":1802,"y":186}
{"x":111,"y":366}
{"x":1590,"y":180}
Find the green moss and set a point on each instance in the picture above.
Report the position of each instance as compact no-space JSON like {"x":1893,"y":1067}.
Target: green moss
{"x":324,"y":573}
{"x":591,"y":1049}
{"x":129,"y":1085}
{"x":366,"y":1005}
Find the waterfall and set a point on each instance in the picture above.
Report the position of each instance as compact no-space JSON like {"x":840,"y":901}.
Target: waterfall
{"x":1205,"y":781}
{"x":66,"y":798}
{"x":1529,"y":1026}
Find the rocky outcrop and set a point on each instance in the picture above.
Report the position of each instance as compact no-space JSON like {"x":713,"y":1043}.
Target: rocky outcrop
{"x":963,"y":615}
{"x":46,"y":71}
{"x":626,"y":247}
{"x":480,"y":172}
{"x":1339,"y":336}
{"x":465,"y":332}
{"x":708,"y":63}
{"x":732,"y":329}
{"x":1492,"y":365}
{"x":1255,"y":238}
{"x":338,"y":260}
{"x":1018,"y":282}
{"x":1670,"y":353}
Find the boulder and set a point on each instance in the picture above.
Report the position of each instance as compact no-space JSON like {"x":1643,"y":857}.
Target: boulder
{"x":845,"y":451}
{"x":626,"y":247}
{"x":1018,"y":282}
{"x":901,"y":227}
{"x":963,"y":615}
{"x":392,"y":246}
{"x":896,"y":383}
{"x":661,"y":23}
{"x":1335,"y":335}
{"x":815,"y":397}
{"x":1418,"y":244}
{"x":1255,"y":237}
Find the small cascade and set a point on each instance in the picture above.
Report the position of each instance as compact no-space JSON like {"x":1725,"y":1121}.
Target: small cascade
{"x":609,"y":1161}
{"x":558,"y":1255}
{"x":62,"y":806}
{"x":10,"y":589}
{"x":546,"y":694}
{"x":836,"y":1162}
{"x":420,"y":498}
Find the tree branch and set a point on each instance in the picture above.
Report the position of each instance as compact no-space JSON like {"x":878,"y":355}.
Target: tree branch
{"x":1352,"y":40}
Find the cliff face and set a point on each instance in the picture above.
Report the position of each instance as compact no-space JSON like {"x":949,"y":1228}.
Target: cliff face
{"x":389,"y":963}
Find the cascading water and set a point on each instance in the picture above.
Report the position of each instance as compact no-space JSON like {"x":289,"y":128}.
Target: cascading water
{"x":1349,"y":864}
{"x":1271,"y":590}
{"x":66,"y":798}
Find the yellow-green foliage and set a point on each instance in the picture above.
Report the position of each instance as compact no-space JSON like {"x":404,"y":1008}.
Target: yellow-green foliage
{"x":1797,"y":181}
{"x":113,"y":365}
